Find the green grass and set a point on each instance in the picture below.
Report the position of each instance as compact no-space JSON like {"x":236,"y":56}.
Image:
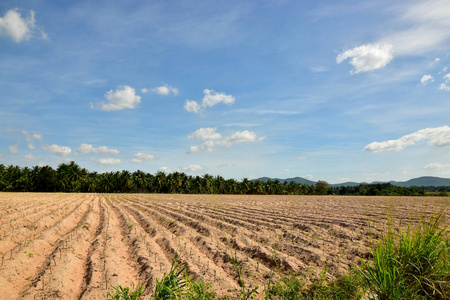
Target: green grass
{"x":413,"y":263}
{"x":126,"y":293}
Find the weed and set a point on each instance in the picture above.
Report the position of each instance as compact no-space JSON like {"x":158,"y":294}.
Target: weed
{"x":126,"y":293}
{"x":173,"y":285}
{"x":244,"y":293}
{"x":412,"y":264}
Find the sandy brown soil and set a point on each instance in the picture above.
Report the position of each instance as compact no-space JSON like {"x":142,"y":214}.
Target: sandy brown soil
{"x":76,"y":246}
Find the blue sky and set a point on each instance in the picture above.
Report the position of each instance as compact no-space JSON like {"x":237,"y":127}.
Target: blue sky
{"x":336,"y":91}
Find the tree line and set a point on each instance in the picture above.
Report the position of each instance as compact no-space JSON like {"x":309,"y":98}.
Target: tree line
{"x":70,"y":177}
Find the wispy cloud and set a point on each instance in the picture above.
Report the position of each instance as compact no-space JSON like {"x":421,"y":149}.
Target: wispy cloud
{"x":14,"y":148}
{"x":422,"y":27}
{"x":31,"y":138}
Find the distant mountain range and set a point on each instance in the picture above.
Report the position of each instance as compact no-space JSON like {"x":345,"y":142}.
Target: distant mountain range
{"x":420,"y":181}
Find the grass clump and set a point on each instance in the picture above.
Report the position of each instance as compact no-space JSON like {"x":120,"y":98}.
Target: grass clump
{"x":126,"y":293}
{"x":177,"y":285}
{"x":411,"y":263}
{"x":344,"y":287}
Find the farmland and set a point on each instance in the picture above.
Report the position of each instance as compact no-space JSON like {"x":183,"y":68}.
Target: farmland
{"x":76,"y":246}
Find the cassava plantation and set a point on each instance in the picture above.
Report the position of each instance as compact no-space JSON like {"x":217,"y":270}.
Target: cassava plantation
{"x":82,"y":246}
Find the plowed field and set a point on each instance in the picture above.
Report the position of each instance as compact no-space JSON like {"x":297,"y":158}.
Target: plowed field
{"x":76,"y":246}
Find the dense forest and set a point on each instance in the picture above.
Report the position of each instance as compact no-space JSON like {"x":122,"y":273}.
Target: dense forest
{"x":72,"y":178}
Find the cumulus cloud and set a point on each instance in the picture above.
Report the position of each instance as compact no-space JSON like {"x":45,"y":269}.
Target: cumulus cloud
{"x":165,"y":90}
{"x":141,"y":157}
{"x":210,"y":99}
{"x":439,"y":137}
{"x":239,"y":137}
{"x":192,"y":106}
{"x":193,"y":168}
{"x":210,"y":139}
{"x":124,"y":97}
{"x":14,"y":26}
{"x":14,"y":148}
{"x":88,"y":148}
{"x":109,"y":161}
{"x":203,"y":134}
{"x":367,"y":57}
{"x":57,"y":149}
{"x":29,"y":157}
{"x":31,"y":138}
{"x":426,"y":79}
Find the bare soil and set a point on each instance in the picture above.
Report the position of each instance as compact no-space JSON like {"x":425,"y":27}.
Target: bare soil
{"x":77,"y":246}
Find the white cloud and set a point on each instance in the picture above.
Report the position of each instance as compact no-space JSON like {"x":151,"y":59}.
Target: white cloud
{"x":165,"y":170}
{"x":165,"y":90}
{"x":109,"y":161}
{"x":367,"y":57}
{"x":29,"y":157}
{"x":301,"y":157}
{"x":211,"y":138}
{"x":239,"y":137}
{"x":287,"y":170}
{"x":426,"y":79}
{"x":203,"y":134}
{"x":14,"y":26}
{"x":192,"y":106}
{"x":436,"y":166}
{"x":444,"y":86}
{"x":439,"y":137}
{"x":144,"y":91}
{"x":87,"y":148}
{"x":141,"y":157}
{"x":428,"y":27}
{"x":122,"y":98}
{"x":210,"y":99}
{"x":419,"y":27}
{"x":318,"y":69}
{"x":193,"y":168}
{"x":58,"y":150}
{"x":193,"y":149}
{"x":14,"y":148}
{"x":31,"y":138}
